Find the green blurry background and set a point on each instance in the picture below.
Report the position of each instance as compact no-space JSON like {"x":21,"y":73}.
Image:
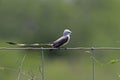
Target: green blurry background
{"x":94,"y":23}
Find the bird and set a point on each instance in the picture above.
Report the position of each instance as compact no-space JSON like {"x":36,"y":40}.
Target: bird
{"x":63,"y":40}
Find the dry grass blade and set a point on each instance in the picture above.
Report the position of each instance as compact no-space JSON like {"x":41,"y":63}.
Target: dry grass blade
{"x":20,"y":68}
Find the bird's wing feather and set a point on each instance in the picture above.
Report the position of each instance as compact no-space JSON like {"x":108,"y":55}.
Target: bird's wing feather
{"x":60,"y":41}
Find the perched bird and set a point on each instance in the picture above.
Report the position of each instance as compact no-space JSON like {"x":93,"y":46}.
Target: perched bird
{"x":64,"y":39}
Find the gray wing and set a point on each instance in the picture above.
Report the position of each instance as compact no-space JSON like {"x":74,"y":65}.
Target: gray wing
{"x":59,"y":42}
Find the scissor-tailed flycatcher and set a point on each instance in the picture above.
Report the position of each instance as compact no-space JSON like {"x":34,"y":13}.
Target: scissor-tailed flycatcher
{"x":58,"y":43}
{"x":62,"y":40}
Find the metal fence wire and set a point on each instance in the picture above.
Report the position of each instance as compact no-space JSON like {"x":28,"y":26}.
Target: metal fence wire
{"x":92,"y":49}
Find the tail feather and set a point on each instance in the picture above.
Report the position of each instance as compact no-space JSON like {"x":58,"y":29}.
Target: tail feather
{"x":35,"y":44}
{"x":12,"y":43}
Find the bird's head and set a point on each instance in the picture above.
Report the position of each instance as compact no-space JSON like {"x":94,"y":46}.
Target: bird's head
{"x":66,"y":32}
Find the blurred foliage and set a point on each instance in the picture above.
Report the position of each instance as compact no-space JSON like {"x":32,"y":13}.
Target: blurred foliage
{"x":94,"y":23}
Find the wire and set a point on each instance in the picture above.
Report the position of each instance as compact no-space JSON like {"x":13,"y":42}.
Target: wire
{"x":74,"y":48}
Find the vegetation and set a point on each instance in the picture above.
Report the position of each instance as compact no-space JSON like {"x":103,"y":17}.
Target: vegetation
{"x":94,"y":23}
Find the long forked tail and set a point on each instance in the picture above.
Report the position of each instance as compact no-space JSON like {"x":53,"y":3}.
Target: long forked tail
{"x":32,"y":45}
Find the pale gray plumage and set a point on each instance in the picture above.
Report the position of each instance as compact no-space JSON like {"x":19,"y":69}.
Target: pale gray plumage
{"x":62,"y":40}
